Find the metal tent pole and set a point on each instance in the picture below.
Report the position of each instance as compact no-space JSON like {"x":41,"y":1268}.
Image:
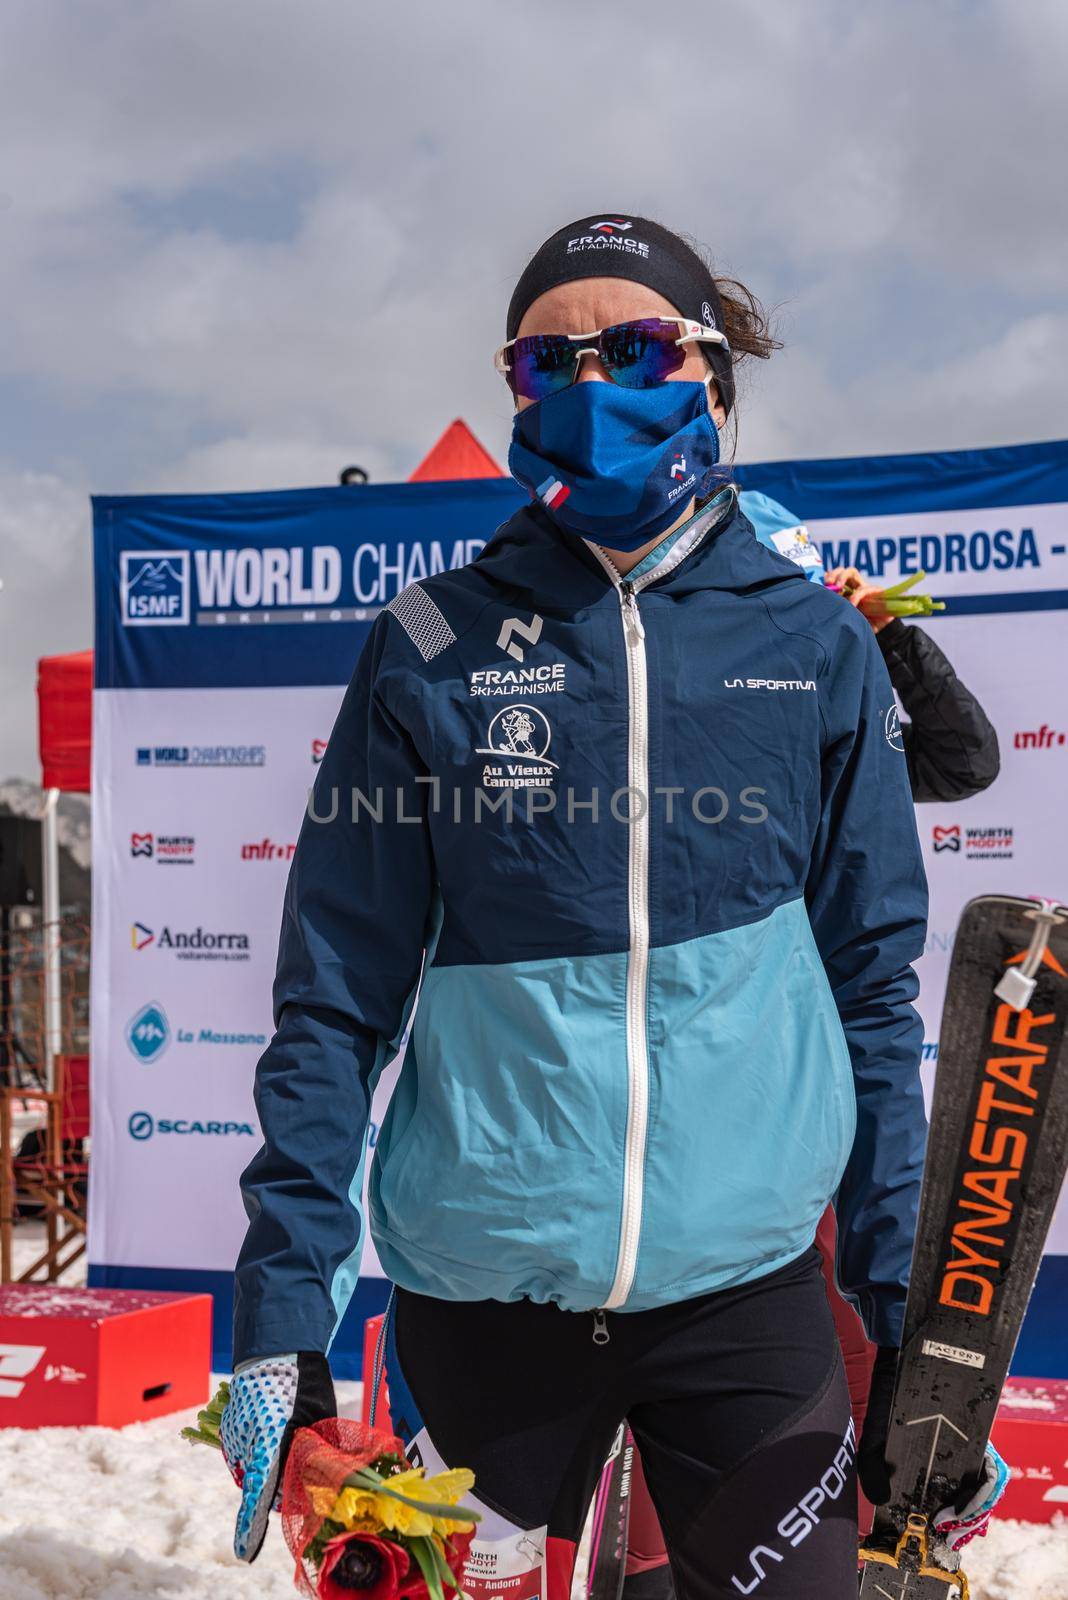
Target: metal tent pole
{"x":50,"y":937}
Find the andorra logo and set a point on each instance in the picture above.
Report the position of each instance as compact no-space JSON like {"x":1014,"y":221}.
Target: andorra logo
{"x":519,"y":733}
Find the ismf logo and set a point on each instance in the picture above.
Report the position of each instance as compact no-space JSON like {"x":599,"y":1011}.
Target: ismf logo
{"x":678,"y":467}
{"x":148,"y":1033}
{"x":318,"y":751}
{"x":154,"y":588}
{"x":892,"y":729}
{"x":947,"y":838}
{"x":552,"y":492}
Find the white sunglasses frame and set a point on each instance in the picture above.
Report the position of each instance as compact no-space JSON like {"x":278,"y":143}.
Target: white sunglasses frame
{"x":693,"y":333}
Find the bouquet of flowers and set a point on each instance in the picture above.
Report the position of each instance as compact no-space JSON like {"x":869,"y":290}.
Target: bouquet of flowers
{"x":358,"y":1518}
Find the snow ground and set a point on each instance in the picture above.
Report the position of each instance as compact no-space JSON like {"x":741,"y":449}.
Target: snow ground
{"x":103,"y":1514}
{"x":132,"y":1513}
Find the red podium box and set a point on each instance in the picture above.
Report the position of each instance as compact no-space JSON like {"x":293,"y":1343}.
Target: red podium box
{"x":372,"y":1332}
{"x":105,"y":1356}
{"x":1031,"y":1431}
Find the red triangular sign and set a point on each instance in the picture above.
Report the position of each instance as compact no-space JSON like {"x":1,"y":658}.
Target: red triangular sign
{"x":457,"y":454}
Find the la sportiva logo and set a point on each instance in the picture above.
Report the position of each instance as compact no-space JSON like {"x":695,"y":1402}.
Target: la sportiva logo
{"x":892,"y":730}
{"x":154,"y":588}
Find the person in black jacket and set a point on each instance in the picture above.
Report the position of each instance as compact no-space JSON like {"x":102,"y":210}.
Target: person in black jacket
{"x":951,"y":747}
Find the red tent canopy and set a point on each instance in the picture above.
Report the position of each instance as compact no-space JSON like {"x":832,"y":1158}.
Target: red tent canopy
{"x":65,"y":683}
{"x":457,"y":454}
{"x":65,"y":716}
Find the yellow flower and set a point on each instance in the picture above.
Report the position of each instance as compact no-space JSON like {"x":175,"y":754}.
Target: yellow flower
{"x":386,"y":1511}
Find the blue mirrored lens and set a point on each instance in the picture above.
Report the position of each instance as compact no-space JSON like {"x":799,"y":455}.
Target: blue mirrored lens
{"x":541,"y":364}
{"x":640,"y":354}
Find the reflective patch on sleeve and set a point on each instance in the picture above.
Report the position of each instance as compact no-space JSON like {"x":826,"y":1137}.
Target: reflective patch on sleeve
{"x":422,"y":621}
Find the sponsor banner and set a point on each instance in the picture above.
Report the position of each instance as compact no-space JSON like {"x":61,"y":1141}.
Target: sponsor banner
{"x":226,"y":630}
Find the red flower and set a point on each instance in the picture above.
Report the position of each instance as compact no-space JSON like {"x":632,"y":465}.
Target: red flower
{"x":360,"y":1563}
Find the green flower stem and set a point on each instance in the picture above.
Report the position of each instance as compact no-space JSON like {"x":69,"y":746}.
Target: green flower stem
{"x":208,"y":1419}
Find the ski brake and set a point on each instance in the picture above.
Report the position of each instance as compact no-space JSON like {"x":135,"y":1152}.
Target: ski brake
{"x":911,"y":1554}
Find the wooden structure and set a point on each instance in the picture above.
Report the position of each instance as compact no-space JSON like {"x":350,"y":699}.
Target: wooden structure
{"x":44,"y":1094}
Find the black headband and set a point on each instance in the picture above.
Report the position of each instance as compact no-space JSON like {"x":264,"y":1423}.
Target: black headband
{"x":613,"y":246}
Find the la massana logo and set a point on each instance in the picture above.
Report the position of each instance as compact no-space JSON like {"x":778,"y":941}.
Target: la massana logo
{"x":149,"y":1033}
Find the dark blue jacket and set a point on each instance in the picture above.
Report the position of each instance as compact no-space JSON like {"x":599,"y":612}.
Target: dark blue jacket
{"x":647,"y":1052}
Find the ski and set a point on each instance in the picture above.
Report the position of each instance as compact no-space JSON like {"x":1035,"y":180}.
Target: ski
{"x":996,"y":1155}
{"x":610,"y":1520}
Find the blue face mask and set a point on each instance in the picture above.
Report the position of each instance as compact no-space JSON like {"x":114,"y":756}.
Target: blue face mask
{"x":617,"y":465}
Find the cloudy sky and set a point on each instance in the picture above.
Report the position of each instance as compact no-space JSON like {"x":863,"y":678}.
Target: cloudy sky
{"x":243,"y":242}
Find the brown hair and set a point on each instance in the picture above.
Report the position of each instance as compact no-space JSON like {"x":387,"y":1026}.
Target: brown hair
{"x":746,"y":323}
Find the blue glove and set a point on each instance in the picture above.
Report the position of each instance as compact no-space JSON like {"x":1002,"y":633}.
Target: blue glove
{"x":954,"y":1525}
{"x":269,"y":1400}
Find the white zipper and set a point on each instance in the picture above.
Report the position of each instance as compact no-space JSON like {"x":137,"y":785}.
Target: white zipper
{"x":638,"y":952}
{"x":638,"y":911}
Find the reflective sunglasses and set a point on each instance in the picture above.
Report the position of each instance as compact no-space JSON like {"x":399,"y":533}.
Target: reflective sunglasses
{"x":637,"y":355}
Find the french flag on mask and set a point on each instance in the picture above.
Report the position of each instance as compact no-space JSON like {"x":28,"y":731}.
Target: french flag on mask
{"x":552,"y":492}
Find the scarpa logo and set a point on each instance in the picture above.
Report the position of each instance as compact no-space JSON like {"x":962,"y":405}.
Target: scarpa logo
{"x":154,"y":588}
{"x":148,"y":1033}
{"x":142,"y":1125}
